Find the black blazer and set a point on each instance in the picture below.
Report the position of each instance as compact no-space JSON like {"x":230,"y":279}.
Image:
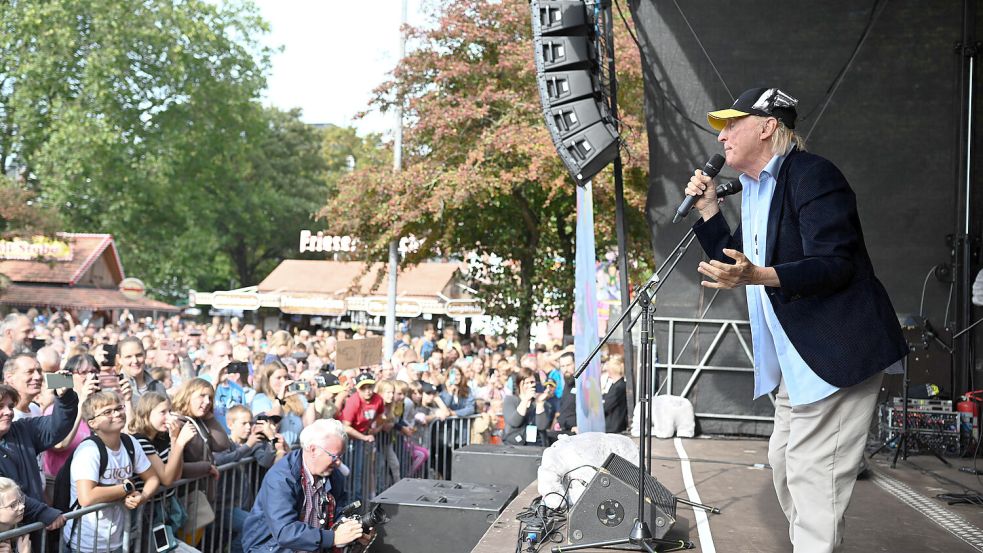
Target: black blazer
{"x":832,"y":307}
{"x":616,"y":408}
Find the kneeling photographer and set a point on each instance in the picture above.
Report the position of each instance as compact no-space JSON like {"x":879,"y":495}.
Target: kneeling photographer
{"x":301,"y":496}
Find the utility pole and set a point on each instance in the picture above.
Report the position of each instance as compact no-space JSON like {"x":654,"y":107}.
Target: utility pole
{"x":390,"y":338}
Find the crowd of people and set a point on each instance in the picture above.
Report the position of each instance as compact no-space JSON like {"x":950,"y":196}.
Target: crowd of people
{"x":152,"y":402}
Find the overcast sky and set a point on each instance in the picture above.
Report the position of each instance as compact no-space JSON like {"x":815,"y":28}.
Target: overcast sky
{"x":334,"y":53}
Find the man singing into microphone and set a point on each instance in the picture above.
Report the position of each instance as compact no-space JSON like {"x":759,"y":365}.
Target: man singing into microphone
{"x":823,"y":328}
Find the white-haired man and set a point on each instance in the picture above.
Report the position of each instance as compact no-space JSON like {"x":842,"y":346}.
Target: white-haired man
{"x":15,"y":330}
{"x":822,"y":325}
{"x":301,"y":495}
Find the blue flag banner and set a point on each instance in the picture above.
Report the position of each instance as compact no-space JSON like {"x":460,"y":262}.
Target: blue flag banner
{"x":590,"y":409}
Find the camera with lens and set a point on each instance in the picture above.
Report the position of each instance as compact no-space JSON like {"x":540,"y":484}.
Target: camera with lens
{"x":369,"y":520}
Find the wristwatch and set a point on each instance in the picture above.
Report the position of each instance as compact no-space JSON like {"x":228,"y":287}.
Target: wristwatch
{"x":128,"y":486}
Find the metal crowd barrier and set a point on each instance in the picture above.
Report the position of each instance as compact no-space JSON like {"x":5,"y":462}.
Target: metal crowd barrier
{"x":231,"y":497}
{"x":377,"y":465}
{"x":374,"y":467}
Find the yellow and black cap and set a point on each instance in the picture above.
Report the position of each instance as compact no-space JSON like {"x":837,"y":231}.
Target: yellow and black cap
{"x":766,"y":102}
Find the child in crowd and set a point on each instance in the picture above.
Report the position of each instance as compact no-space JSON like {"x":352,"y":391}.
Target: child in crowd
{"x":411,"y":441}
{"x":359,"y":416}
{"x":105,"y":413}
{"x":387,"y":420}
{"x":11,"y":514}
{"x":482,"y":423}
{"x":268,"y":446}
{"x":331,"y":396}
{"x":163,"y":376}
{"x":362,"y":409}
{"x":163,"y":439}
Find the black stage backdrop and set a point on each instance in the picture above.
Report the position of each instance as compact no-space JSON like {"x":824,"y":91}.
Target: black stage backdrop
{"x":891,"y":126}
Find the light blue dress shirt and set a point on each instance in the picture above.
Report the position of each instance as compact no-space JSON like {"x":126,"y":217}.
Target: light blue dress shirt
{"x":775,"y":358}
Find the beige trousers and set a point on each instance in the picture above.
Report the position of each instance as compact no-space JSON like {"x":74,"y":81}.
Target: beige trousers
{"x":815,"y":452}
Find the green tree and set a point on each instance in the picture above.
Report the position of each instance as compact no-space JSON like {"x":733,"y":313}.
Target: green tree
{"x":344,"y":150}
{"x":481,"y":176}
{"x":142,"y":118}
{"x":261,"y":216}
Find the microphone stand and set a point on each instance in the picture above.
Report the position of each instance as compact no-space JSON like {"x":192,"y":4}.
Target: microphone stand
{"x":640,"y":535}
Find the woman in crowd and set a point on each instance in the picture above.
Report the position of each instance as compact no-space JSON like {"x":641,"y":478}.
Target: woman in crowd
{"x":457,"y":395}
{"x":131,"y":365}
{"x":274,"y":398}
{"x":412,"y":405}
{"x":527,"y":414}
{"x":193,"y":403}
{"x":11,"y":514}
{"x":85,"y":379}
{"x":387,"y":423}
{"x":211,"y":446}
{"x":279,"y":346}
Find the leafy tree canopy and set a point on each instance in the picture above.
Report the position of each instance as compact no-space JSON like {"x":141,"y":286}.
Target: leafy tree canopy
{"x":481,"y":177}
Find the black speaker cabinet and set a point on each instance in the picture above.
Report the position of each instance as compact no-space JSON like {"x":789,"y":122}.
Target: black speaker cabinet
{"x":609,"y":505}
{"x":512,"y":465}
{"x":438,"y":516}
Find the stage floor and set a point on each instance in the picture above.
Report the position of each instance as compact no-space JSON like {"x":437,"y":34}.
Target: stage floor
{"x":892,"y":510}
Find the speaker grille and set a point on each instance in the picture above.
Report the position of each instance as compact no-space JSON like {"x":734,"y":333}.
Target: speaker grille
{"x":627,"y":471}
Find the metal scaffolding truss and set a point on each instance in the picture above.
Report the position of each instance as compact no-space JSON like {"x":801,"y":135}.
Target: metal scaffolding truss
{"x":669,"y":360}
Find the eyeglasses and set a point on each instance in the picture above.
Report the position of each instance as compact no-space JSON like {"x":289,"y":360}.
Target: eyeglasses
{"x":118,"y":410}
{"x":17,"y":502}
{"x":334,"y":458}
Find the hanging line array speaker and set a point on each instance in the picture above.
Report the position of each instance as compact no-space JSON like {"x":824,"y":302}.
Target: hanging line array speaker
{"x":568,"y":72}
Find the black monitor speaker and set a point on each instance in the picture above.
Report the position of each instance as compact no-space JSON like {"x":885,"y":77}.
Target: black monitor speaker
{"x":609,"y":505}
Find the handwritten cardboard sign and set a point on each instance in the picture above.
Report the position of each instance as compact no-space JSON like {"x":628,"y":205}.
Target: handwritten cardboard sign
{"x":352,"y":354}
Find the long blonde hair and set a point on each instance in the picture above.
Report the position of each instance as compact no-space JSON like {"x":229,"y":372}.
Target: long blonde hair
{"x":279,"y":338}
{"x":182,"y":398}
{"x":261,"y":383}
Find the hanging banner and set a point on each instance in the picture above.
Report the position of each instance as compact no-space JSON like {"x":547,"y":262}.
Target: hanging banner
{"x":590,"y":409}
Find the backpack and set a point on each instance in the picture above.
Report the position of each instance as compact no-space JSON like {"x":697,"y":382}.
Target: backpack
{"x":62,"y":497}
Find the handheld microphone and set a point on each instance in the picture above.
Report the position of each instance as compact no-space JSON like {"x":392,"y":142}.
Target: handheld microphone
{"x":711,"y":169}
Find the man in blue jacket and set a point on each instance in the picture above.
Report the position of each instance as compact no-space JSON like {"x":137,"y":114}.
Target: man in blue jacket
{"x":301,"y":496}
{"x":822,"y":325}
{"x":21,"y":441}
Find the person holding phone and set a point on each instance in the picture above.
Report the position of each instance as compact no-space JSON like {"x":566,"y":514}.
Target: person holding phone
{"x":25,"y":439}
{"x":276,"y":394}
{"x":131,"y":363}
{"x":84,"y":371}
{"x":527,"y":413}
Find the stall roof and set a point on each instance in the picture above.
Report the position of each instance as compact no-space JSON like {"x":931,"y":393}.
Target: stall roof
{"x":335,"y":278}
{"x":58,"y":297}
{"x":86,"y":250}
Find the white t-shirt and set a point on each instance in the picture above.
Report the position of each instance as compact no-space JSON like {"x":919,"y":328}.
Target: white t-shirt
{"x":33,"y":410}
{"x":111,"y":521}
